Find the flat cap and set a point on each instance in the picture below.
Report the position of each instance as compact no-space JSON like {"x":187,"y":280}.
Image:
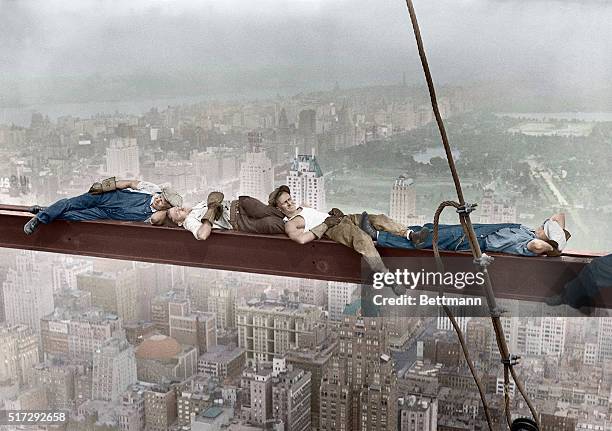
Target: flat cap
{"x":172,"y":197}
{"x":276,"y":193}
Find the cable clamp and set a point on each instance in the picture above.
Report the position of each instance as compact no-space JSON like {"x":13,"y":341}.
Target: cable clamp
{"x":511,"y":360}
{"x":465,"y":209}
{"x":497,"y":312}
{"x":484,"y":260}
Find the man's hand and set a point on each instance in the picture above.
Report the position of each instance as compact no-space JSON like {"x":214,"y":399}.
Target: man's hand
{"x":107,"y":185}
{"x":335,"y":212}
{"x":332,"y":221}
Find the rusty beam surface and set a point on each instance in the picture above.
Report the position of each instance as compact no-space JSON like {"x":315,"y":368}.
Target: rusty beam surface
{"x":514,"y":277}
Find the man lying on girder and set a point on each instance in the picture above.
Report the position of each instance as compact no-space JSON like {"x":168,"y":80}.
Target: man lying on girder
{"x":246,"y":214}
{"x":303,"y":225}
{"x":549,"y":239}
{"x":126,"y":200}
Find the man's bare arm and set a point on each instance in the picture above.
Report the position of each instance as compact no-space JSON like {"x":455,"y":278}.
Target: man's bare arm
{"x":297,"y":234}
{"x":559,"y":218}
{"x":538,"y":246}
{"x":127,"y":184}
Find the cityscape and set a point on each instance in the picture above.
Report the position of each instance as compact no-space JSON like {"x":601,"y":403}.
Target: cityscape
{"x":137,"y":346}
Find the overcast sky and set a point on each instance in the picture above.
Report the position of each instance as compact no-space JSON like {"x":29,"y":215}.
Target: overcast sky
{"x":355,"y":41}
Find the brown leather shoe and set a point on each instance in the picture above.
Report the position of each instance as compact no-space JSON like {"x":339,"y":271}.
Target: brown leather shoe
{"x":215,"y":207}
{"x":419,"y":238}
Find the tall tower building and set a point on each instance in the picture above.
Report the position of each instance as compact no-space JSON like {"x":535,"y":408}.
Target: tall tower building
{"x":27,"y":292}
{"x":306,"y":182}
{"x":256,"y":172}
{"x":291,"y":393}
{"x":122,"y":158}
{"x":18,"y":353}
{"x":114,"y":369}
{"x":402,"y":206}
{"x":604,"y":339}
{"x":222,"y":301}
{"x":362,"y":367}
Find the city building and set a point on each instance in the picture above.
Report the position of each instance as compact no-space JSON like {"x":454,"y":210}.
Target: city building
{"x":122,"y":158}
{"x":418,"y":413}
{"x":270,"y":328}
{"x":214,"y":418}
{"x":221,"y":302}
{"x":161,"y":359}
{"x":18,"y":354}
{"x":28,"y":291}
{"x":222,"y":362}
{"x":402,"y":206}
{"x":291,"y":396}
{"x":493,"y":210}
{"x":314,"y":360}
{"x":361,"y":366}
{"x":114,"y":369}
{"x":114,"y":292}
{"x":256,"y":172}
{"x":192,"y":327}
{"x":339,"y":295}
{"x":306,"y":182}
{"x":159,"y":408}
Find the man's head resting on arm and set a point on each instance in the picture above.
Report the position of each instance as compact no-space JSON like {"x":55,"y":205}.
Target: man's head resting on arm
{"x":167,"y":199}
{"x":552,"y":238}
{"x":178,"y":215}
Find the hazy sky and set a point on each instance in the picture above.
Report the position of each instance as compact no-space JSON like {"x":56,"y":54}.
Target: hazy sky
{"x":356,"y":41}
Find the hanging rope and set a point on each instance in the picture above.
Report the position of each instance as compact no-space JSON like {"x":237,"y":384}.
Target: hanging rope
{"x":464,"y":215}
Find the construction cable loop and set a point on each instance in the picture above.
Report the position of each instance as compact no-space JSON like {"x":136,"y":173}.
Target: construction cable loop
{"x":474,"y":245}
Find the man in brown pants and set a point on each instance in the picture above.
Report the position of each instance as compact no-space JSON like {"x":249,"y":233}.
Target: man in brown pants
{"x":303,"y":225}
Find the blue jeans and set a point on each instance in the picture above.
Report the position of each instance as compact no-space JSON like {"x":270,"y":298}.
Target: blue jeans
{"x":116,"y":205}
{"x":502,"y":237}
{"x":451,"y":237}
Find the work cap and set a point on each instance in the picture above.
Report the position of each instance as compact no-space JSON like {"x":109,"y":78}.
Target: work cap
{"x":172,"y":197}
{"x":276,"y":193}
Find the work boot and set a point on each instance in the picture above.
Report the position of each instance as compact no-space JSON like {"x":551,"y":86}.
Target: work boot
{"x":555,"y":300}
{"x":367,"y":227}
{"x":419,"y":238}
{"x":31,"y":226}
{"x":35,"y":209}
{"x":215,"y":207}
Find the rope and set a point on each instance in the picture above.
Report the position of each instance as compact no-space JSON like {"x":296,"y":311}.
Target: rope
{"x":466,"y":223}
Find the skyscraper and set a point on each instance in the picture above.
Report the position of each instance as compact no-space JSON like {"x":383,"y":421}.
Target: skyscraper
{"x":122,"y":158}
{"x":256,"y":172}
{"x":402,"y":205}
{"x":306,"y":182}
{"x":18,"y":353}
{"x":363,"y":368}
{"x":28,"y":292}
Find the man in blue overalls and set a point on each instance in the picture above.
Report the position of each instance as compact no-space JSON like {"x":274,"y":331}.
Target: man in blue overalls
{"x":549,"y":239}
{"x":125,"y":200}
